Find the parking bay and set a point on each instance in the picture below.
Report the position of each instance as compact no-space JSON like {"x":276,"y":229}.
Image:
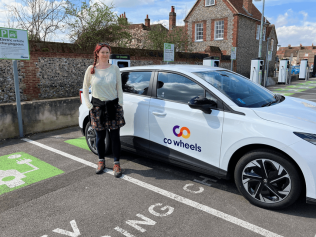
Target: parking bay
{"x":76,"y":202}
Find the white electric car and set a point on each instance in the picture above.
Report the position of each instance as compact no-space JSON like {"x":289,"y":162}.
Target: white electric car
{"x":219,"y":123}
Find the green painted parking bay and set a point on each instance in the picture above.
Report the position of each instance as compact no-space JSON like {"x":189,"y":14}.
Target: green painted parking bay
{"x":79,"y":142}
{"x":21,"y":169}
{"x":292,"y":89}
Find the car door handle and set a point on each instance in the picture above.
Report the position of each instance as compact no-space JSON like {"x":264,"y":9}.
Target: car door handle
{"x":159,"y":114}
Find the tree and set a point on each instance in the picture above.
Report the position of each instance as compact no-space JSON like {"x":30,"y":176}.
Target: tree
{"x":93,"y":23}
{"x":158,"y":35}
{"x":41,"y":18}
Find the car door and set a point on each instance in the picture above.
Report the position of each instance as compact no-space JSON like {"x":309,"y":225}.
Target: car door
{"x":178,"y":133}
{"x":136,"y":97}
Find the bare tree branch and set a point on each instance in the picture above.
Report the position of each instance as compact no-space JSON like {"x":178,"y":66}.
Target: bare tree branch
{"x":42,"y":18}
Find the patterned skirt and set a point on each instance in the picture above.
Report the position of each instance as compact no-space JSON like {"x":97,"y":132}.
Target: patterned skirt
{"x":98,"y":125}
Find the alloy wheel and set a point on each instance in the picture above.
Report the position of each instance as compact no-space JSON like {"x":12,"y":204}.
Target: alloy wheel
{"x":91,"y":138}
{"x":266,"y":181}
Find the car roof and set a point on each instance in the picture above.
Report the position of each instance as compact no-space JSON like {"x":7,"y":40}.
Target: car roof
{"x":174,"y":67}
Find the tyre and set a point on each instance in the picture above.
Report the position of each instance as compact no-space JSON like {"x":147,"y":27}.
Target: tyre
{"x":267,"y":179}
{"x":91,"y":139}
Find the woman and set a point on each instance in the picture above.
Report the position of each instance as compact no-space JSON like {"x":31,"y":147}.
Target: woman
{"x":106,"y":112}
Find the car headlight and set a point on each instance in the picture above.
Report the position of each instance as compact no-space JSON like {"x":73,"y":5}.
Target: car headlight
{"x":307,"y":137}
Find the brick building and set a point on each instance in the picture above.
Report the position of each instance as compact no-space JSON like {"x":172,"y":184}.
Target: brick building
{"x":230,"y":23}
{"x":140,"y":30}
{"x":215,"y":26}
{"x":298,"y":53}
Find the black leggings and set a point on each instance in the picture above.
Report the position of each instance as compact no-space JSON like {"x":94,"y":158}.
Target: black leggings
{"x":115,"y":140}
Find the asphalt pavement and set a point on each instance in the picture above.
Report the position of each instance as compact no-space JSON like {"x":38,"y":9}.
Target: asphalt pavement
{"x":49,"y":188}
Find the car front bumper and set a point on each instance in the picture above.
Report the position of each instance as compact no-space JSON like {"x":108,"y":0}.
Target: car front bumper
{"x":303,"y":153}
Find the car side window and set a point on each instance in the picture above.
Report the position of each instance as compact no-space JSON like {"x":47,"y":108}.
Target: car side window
{"x":177,"y":88}
{"x":210,"y":97}
{"x":136,"y":82}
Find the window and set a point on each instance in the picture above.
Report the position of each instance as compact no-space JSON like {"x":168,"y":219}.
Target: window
{"x":219,"y":30}
{"x":136,"y":82}
{"x":258,"y":33}
{"x":240,"y":90}
{"x":177,"y":88}
{"x":199,"y":32}
{"x":210,"y":97}
{"x":271,"y":45}
{"x":209,"y":3}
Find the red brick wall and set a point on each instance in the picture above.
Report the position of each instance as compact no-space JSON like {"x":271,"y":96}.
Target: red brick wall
{"x":247,"y":5}
{"x":212,"y":29}
{"x":204,"y":30}
{"x":235,"y":31}
{"x":30,"y":70}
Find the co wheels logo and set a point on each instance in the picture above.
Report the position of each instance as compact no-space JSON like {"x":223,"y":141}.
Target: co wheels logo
{"x":185,"y":133}
{"x":181,"y":134}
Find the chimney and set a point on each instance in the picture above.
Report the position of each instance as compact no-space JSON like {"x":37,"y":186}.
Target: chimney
{"x":147,"y":21}
{"x":125,"y":17}
{"x":289,"y":46}
{"x":248,"y":5}
{"x":172,"y":18}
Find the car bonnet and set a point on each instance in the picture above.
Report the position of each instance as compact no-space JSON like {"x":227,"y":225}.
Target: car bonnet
{"x":293,"y":112}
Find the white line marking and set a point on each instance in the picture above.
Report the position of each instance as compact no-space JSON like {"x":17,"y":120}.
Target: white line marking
{"x":75,"y":229}
{"x":201,"y":189}
{"x":124,"y":232}
{"x":151,"y":210}
{"x":146,"y":221}
{"x":168,"y":194}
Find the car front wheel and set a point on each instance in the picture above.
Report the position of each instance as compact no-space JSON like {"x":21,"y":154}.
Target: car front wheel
{"x":267,"y":179}
{"x":91,"y":138}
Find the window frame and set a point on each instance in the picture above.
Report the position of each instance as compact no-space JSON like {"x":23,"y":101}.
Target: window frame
{"x":271,"y":45}
{"x":150,"y":86}
{"x":215,"y":38}
{"x":220,"y":103}
{"x":210,"y":3}
{"x":196,"y":32}
{"x":263,"y":33}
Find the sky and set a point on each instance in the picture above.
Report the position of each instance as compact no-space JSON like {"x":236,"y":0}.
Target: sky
{"x":295,"y":20}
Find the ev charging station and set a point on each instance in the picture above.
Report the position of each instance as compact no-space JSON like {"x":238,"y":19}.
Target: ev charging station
{"x":283,"y":71}
{"x":304,"y":72}
{"x":211,"y":61}
{"x":120,"y":60}
{"x":256,"y":70}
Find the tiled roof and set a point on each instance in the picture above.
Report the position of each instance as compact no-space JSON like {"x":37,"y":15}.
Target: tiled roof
{"x":287,"y":51}
{"x":137,"y":26}
{"x":141,"y":26}
{"x":238,"y":6}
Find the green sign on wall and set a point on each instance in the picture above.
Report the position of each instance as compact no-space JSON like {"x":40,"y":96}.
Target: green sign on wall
{"x":14,"y":44}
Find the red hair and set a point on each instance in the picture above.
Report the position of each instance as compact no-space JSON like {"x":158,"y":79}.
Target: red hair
{"x":96,"y":51}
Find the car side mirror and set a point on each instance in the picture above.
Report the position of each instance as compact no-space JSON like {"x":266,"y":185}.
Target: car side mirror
{"x":160,"y":84}
{"x":202,"y":103}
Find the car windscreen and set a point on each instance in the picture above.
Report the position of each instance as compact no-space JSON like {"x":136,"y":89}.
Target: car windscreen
{"x":240,"y":90}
